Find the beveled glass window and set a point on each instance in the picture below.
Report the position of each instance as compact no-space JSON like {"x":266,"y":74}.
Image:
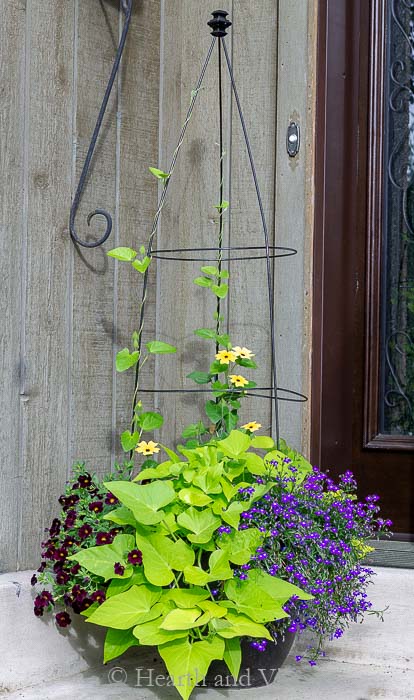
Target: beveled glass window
{"x":396,"y":404}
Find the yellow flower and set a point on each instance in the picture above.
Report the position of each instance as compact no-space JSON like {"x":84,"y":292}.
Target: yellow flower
{"x":226,"y":356}
{"x":238,"y":381}
{"x":243,"y":353}
{"x":252,"y":426}
{"x":147,"y":448}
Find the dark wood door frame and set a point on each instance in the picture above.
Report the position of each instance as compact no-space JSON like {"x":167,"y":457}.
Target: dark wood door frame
{"x":348,"y":181}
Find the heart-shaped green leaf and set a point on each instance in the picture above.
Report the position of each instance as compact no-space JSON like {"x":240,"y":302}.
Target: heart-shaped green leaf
{"x":157,"y":347}
{"x":202,"y":523}
{"x":125,"y":359}
{"x":129,"y":440}
{"x":190,"y":661}
{"x":145,"y":501}
{"x":101,"y":560}
{"x":117,"y":642}
{"x":235,"y":444}
{"x":127,"y":609}
{"x":160,"y":555}
{"x":124,"y":254}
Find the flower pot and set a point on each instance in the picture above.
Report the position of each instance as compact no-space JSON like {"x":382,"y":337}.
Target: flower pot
{"x":258,"y":668}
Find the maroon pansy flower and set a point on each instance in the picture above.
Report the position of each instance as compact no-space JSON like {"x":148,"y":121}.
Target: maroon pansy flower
{"x":62,"y":578}
{"x":119,"y":570}
{"x":104,"y":538}
{"x":84,"y":531}
{"x":38,"y":611}
{"x":78,"y":593}
{"x":55,"y":527}
{"x":60,"y":554}
{"x":63,"y":619}
{"x":69,"y":541}
{"x":42,"y":567}
{"x":135,"y":557}
{"x":96,"y":506}
{"x":70,"y":519}
{"x":75,"y":569}
{"x":33,"y":580}
{"x":98,"y":597}
{"x":110,"y":499}
{"x":85,"y":480}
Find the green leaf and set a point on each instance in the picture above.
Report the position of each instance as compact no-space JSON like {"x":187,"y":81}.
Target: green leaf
{"x":159,"y":174}
{"x":181,"y":619}
{"x":235,"y":444}
{"x":129,"y":441}
{"x":232,"y":656}
{"x":234,"y":625}
{"x":220,"y":290}
{"x":210,"y":270}
{"x":240,"y":545}
{"x":203,"y":281}
{"x":196,"y":575}
{"x":142,"y":265}
{"x":206,"y":333}
{"x":157,"y":347}
{"x":145,"y":501}
{"x":244,"y":362}
{"x":101,"y":560}
{"x":160,"y":555}
{"x":255,"y":464}
{"x":186,"y":597}
{"x":124,"y":254}
{"x":127,"y":609}
{"x":231,"y":515}
{"x":150,"y":634}
{"x":222,"y":206}
{"x":262,"y":442}
{"x":120,"y":585}
{"x":117,"y":642}
{"x":188,"y":663}
{"x":121,"y":516}
{"x":125,"y":359}
{"x":216,"y":411}
{"x":217,"y":368}
{"x":220,"y":569}
{"x":224,"y":274}
{"x":224,"y":339}
{"x":202,"y":523}
{"x":194,"y":497}
{"x":252,"y":600}
{"x":276,"y":587}
{"x":199,"y":377}
{"x":150,"y":421}
{"x":194,"y":430}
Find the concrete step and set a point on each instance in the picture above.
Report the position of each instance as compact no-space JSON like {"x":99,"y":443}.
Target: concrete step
{"x":38,"y":660}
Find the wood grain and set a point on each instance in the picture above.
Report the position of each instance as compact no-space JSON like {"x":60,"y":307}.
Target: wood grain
{"x":12,"y":265}
{"x":44,"y":419}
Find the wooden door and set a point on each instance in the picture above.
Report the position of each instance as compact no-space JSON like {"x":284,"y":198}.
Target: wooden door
{"x":363,"y":370}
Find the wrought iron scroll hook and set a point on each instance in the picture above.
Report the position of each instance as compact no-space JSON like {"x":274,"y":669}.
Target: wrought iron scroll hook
{"x":127,"y":10}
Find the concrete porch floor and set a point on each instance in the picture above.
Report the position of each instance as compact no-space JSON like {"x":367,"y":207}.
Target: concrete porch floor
{"x":373,"y":660}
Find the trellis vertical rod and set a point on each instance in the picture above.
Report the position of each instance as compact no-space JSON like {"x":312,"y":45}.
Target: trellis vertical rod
{"x":266,"y":240}
{"x":220,"y":210}
{"x":161,"y":203}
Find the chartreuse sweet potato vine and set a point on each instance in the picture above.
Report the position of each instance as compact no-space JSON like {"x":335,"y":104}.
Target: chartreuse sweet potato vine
{"x":184,"y":522}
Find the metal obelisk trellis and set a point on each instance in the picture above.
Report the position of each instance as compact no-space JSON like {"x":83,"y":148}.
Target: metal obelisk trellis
{"x":219,"y":25}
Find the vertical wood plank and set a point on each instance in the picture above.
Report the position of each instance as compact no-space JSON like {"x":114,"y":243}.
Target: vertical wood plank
{"x":12,"y":74}
{"x":255,"y":35}
{"x":292,"y":215}
{"x":47,"y":302}
{"x":90,"y":439}
{"x":138,"y":151}
{"x":188,"y":218}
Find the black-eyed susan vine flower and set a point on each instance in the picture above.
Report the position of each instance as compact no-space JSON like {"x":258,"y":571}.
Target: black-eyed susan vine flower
{"x":147,"y":448}
{"x":252,"y":426}
{"x":238,"y":381}
{"x":226,"y":356}
{"x":243,"y":353}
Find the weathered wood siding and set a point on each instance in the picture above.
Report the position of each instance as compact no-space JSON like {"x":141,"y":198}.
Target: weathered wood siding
{"x":66,"y":312}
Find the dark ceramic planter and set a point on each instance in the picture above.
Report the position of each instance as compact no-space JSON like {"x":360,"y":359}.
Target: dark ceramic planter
{"x":258,"y":668}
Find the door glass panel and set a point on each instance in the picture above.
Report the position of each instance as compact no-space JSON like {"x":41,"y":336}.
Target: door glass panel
{"x":397,"y":335}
